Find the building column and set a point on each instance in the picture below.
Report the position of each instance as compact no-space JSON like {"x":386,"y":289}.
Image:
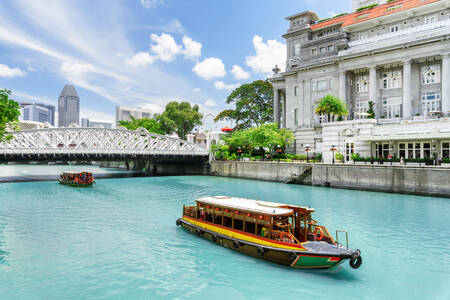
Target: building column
{"x":276,"y":107}
{"x":445,"y":81}
{"x":407,"y":89}
{"x":283,"y":99}
{"x":373,"y":86}
{"x":343,"y":86}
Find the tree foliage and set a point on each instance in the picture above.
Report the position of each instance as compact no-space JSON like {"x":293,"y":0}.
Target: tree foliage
{"x":180,"y":118}
{"x":332,"y":107}
{"x":151,"y":125}
{"x":9,"y":114}
{"x":371,"y":111}
{"x":256,"y":139}
{"x":253,"y":105}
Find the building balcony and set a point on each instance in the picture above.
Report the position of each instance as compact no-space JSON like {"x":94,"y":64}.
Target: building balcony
{"x":410,"y":35}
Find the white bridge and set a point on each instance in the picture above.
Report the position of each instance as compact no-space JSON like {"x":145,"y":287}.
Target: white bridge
{"x":96,"y":143}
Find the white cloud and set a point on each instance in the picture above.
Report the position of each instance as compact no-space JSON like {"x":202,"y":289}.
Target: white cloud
{"x":151,"y":3}
{"x":210,"y":103}
{"x":220,"y":85}
{"x":332,"y":13}
{"x":77,"y":69}
{"x":156,"y":109}
{"x":192,"y":49}
{"x":239,"y":73}
{"x":267,"y":56}
{"x":141,"y":59}
{"x":196,"y":90}
{"x":6,"y":71}
{"x":210,"y":68}
{"x":166,"y":49}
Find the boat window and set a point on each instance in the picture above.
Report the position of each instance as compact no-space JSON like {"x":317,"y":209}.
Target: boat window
{"x":218,"y":219}
{"x":261,"y":230}
{"x":238,"y":224}
{"x":227,"y":222}
{"x":208,"y":217}
{"x":250,"y":227}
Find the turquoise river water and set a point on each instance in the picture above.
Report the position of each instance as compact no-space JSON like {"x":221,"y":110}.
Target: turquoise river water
{"x":118,"y":240}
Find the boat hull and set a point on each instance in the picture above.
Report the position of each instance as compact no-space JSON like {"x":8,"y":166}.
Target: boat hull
{"x":75,"y":184}
{"x":284,"y":254}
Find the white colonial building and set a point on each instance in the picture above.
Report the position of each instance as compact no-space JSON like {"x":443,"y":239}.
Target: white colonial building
{"x":396,"y":55}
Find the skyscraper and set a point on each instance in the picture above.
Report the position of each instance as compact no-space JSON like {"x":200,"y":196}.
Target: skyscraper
{"x":125,"y":113}
{"x":37,"y":112}
{"x":68,"y":106}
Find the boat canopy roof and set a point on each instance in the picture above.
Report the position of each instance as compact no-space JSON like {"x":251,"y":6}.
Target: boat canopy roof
{"x":74,"y":172}
{"x":257,"y":206}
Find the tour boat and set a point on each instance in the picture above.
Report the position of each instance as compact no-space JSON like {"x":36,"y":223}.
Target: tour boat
{"x":77,"y":179}
{"x":281,"y":233}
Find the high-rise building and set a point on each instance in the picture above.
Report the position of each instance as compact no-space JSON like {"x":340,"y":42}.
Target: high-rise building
{"x":125,"y":113}
{"x":68,"y":107}
{"x":85,"y":122}
{"x":37,"y":112}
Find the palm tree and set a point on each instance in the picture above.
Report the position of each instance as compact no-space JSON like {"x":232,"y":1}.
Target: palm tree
{"x":332,"y":107}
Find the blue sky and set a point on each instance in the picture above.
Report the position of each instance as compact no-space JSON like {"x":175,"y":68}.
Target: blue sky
{"x":144,"y":52}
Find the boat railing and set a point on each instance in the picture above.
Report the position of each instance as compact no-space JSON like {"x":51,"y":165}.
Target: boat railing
{"x":326,"y":235}
{"x":284,"y":237}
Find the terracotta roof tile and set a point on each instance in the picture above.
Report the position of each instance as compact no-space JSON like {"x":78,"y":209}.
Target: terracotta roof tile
{"x":373,"y":13}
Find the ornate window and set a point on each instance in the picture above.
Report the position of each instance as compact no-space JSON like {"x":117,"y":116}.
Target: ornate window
{"x":431,"y":74}
{"x":362,"y":84}
{"x":430,"y":19}
{"x":391,"y":80}
{"x":322,"y":50}
{"x":330,"y":48}
{"x":297,"y":48}
{"x":392,"y":107}
{"x":431,"y":102}
{"x":322,"y":85}
{"x":314,"y":51}
{"x":394,"y":28}
{"x":362,"y":106}
{"x":295,"y":90}
{"x":446,"y":149}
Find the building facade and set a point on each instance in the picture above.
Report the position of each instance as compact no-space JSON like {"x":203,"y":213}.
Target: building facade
{"x":395,"y":55}
{"x":37,"y":112}
{"x":125,"y":113}
{"x":68,"y":107}
{"x":85,"y":122}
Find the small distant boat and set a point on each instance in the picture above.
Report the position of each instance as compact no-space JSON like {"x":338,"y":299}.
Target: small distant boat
{"x":77,"y":179}
{"x":281,"y":233}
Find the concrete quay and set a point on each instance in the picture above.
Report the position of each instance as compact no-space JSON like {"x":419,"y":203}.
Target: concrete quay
{"x":426,"y":180}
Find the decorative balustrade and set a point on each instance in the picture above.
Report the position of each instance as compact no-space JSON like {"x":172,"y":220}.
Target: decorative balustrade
{"x":405,"y":32}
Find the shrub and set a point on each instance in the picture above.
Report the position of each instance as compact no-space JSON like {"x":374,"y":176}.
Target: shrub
{"x":339,"y":156}
{"x":318,"y":157}
{"x":446,"y":160}
{"x":355,"y":156}
{"x":367,"y":7}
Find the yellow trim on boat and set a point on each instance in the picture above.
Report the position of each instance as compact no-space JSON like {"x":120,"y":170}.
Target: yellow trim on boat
{"x":243,"y":237}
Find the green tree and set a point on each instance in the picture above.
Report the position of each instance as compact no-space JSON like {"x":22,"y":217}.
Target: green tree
{"x":253,"y":105}
{"x":9,"y":114}
{"x":151,"y":125}
{"x":180,"y":118}
{"x":332,"y":107}
{"x":370,"y":111}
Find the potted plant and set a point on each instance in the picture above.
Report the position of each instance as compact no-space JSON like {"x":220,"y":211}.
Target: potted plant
{"x":445,"y":162}
{"x":339,"y":157}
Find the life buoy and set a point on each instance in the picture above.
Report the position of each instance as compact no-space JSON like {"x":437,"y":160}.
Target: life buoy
{"x":260,"y":251}
{"x":319,"y":237}
{"x":178,"y":222}
{"x":355,"y":261}
{"x":263,"y":231}
{"x":235,"y":244}
{"x":214,"y":238}
{"x":198,"y":231}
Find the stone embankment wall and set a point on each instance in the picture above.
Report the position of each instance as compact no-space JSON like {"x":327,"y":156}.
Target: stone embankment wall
{"x":434,"y":181}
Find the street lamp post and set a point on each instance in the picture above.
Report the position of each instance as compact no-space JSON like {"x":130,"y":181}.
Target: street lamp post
{"x":332,"y":149}
{"x":279,"y":150}
{"x":239,"y":151}
{"x":307,"y":149}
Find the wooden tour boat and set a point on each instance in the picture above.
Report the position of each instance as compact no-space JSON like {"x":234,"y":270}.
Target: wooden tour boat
{"x":77,"y":179}
{"x":281,"y":233}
